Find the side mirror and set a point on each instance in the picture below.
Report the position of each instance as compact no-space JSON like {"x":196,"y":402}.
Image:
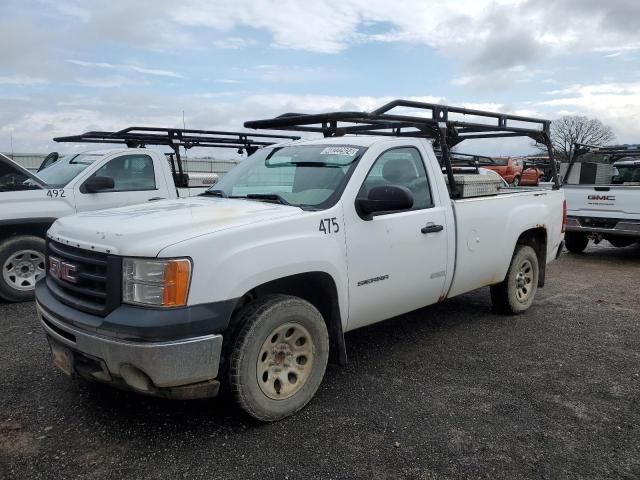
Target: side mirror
{"x":387,"y":198}
{"x":98,"y":184}
{"x":49,"y":160}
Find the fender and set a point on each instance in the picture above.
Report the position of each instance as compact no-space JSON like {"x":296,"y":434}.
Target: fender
{"x":228,"y":264}
{"x":32,"y":226}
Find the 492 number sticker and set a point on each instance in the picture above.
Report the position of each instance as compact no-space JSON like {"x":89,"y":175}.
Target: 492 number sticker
{"x":329,"y":225}
{"x":55,"y":193}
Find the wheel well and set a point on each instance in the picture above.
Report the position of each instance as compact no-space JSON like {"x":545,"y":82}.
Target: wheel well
{"x":319,"y":289}
{"x":38,"y":229}
{"x":536,"y":238}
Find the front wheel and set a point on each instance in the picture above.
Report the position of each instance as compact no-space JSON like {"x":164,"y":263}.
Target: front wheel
{"x":279,"y":357}
{"x":23,"y":264}
{"x":515,"y":182}
{"x":516,"y":293}
{"x":576,"y":242}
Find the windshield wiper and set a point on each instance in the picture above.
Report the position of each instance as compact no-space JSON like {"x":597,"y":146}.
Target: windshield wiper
{"x":214,"y":193}
{"x":270,"y":197}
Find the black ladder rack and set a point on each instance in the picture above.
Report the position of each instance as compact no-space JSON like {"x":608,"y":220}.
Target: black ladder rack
{"x":615,"y":152}
{"x":439,"y":124}
{"x":174,"y":138}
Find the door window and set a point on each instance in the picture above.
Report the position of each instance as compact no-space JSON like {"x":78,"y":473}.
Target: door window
{"x":401,"y":167}
{"x":129,"y":173}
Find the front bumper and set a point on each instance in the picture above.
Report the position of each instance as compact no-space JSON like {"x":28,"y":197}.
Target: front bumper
{"x":591,"y":225}
{"x":185,"y":368}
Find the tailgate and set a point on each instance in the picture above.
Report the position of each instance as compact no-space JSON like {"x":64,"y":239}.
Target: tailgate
{"x":603,"y":201}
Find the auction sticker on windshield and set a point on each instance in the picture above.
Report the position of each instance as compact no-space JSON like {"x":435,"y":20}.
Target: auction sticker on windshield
{"x":349,"y":151}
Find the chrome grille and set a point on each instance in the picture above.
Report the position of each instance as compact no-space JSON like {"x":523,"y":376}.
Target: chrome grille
{"x":94,"y":286}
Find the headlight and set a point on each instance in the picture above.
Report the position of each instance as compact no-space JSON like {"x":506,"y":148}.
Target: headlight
{"x":156,"y":282}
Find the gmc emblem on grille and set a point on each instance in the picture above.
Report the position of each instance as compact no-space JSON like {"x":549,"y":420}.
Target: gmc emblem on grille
{"x":63,"y":270}
{"x":609,"y":198}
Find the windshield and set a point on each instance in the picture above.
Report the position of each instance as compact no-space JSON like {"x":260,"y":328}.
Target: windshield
{"x":302,"y":175}
{"x":67,"y":168}
{"x":629,"y":173}
{"x":12,"y":179}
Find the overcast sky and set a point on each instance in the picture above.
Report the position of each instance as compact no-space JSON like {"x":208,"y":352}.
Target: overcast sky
{"x":72,"y":66}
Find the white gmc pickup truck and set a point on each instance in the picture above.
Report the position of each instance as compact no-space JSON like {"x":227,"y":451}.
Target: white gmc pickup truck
{"x":93,"y":180}
{"x":252,"y":285}
{"x":607,"y":210}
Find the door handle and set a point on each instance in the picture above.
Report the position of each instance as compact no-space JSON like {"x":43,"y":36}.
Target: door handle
{"x":431,"y":228}
{"x":156,"y":198}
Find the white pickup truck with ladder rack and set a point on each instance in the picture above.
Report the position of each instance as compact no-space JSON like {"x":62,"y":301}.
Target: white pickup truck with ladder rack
{"x":252,"y":285}
{"x":610,"y":209}
{"x":96,"y":180}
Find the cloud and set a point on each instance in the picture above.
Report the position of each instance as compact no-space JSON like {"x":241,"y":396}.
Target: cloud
{"x":615,"y":104}
{"x":500,"y":33}
{"x":497,"y":79}
{"x":22,"y":80}
{"x":481,"y":35}
{"x":127,"y":68}
{"x":113,"y":81}
{"x":507,"y":50}
{"x":235,"y":43}
{"x":35,"y":123}
{"x":493,"y":44}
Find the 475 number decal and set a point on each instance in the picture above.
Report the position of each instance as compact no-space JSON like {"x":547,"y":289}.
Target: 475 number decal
{"x":55,"y":193}
{"x":329,"y":225}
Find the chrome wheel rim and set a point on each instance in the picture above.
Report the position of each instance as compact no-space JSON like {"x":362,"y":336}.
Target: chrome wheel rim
{"x":23,"y":269}
{"x":524,"y":281}
{"x":285,"y":361}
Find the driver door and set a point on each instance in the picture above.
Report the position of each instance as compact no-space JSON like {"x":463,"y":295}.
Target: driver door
{"x":397,"y":261}
{"x":135,"y":181}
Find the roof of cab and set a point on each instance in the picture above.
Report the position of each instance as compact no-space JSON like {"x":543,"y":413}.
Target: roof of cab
{"x":360,"y":141}
{"x":108,"y":151}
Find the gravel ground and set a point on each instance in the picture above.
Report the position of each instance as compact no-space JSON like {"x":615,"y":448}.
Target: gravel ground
{"x":449,"y":391}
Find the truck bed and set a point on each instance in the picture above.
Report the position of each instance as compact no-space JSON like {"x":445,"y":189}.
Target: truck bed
{"x":486,"y":228}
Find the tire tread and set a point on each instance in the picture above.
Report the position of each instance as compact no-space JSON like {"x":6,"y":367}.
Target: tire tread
{"x":248,"y":316}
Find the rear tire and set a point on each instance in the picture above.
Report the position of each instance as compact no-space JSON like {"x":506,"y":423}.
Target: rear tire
{"x":22,"y":261}
{"x":576,"y":242}
{"x":279,"y":357}
{"x":516,"y":293}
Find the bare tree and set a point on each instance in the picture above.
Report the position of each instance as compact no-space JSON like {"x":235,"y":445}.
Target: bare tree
{"x":572,"y":129}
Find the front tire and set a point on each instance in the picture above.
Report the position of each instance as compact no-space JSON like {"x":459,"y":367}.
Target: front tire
{"x":22,"y":260}
{"x":576,"y":242}
{"x":279,"y":357}
{"x":516,"y":182}
{"x":516,"y":293}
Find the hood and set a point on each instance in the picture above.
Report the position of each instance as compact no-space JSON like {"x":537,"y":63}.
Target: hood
{"x":13,"y":176}
{"x":145,"y":229}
